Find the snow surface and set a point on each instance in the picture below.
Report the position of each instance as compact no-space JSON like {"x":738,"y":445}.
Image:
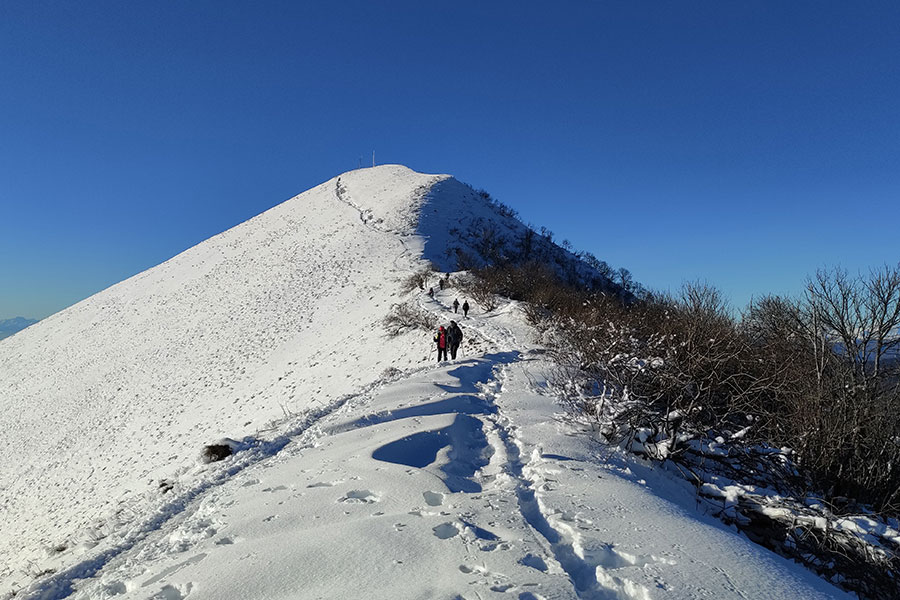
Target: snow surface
{"x":363,"y":469}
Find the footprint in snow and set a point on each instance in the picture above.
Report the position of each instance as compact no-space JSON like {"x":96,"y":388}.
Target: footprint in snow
{"x":359,"y":497}
{"x":115,"y":588}
{"x":275,"y":489}
{"x":433,"y":498}
{"x":169,"y":592}
{"x":445,"y":531}
{"x":535,"y":562}
{"x":325,"y":483}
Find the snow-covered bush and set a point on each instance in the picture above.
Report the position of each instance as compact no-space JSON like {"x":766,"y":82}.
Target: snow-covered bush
{"x":794,"y":398}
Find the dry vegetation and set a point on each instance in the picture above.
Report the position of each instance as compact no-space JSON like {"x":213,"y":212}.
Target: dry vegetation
{"x":818,"y":376}
{"x":406,"y":317}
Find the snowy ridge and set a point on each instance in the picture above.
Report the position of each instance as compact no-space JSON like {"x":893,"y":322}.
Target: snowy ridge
{"x":123,"y":389}
{"x":363,"y":468}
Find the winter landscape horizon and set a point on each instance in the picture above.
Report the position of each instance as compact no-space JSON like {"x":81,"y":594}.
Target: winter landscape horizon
{"x":508,"y":300}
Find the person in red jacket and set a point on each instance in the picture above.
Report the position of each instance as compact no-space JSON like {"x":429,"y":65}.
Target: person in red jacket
{"x":440,"y":339}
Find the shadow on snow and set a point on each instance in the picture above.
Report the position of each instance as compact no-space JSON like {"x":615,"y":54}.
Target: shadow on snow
{"x":469,"y":449}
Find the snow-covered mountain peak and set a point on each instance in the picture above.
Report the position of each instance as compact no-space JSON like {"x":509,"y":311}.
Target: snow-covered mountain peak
{"x":273,"y":316}
{"x":362,"y":467}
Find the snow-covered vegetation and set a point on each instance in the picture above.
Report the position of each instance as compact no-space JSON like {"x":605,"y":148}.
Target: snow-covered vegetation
{"x":352,"y":463}
{"x":785,"y":420}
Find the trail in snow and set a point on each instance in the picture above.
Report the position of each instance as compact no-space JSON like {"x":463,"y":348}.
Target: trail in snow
{"x":581,"y":570}
{"x":300,"y":429}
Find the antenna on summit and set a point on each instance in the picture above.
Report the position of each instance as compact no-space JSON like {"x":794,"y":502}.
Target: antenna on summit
{"x":373,"y":158}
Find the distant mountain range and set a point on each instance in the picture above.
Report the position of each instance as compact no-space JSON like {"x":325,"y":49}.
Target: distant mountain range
{"x":14,"y":325}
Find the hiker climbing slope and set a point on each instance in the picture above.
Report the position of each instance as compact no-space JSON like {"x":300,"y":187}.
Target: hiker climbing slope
{"x":454,"y":338}
{"x":440,"y":338}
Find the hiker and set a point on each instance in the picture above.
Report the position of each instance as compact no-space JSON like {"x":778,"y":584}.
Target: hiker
{"x":441,"y":283}
{"x":431,"y":292}
{"x":440,"y":338}
{"x":456,"y":305}
{"x":466,"y":308}
{"x":454,"y":338}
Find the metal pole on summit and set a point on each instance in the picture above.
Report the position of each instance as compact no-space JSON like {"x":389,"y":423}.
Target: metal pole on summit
{"x":373,"y":158}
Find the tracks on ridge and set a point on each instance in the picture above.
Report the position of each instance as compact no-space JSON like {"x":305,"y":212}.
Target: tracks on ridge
{"x":302,"y":428}
{"x":559,"y":542}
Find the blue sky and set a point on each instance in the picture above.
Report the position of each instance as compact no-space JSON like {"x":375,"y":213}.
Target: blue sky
{"x":745,"y":144}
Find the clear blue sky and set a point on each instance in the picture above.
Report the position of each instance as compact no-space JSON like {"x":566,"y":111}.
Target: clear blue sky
{"x":743,"y":143}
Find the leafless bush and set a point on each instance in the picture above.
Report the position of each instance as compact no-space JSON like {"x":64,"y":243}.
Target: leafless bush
{"x":408,"y":316}
{"x":840,"y":406}
{"x":417,"y":280}
{"x":820,"y":375}
{"x":479,"y":290}
{"x":675,"y":364}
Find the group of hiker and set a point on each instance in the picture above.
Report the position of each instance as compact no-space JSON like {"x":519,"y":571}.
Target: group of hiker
{"x":448,"y":339}
{"x":465,"y":304}
{"x":465,"y":307}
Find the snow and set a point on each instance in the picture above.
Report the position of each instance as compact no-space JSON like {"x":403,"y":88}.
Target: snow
{"x":361,"y":467}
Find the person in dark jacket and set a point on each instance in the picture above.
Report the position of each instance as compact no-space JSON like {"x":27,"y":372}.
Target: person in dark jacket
{"x":456,"y":305}
{"x":466,"y":308}
{"x":431,"y":292}
{"x":454,"y":338}
{"x":440,"y":338}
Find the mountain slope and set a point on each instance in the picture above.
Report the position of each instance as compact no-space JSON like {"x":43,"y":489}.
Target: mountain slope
{"x":124,"y":388}
{"x":362,"y":468}
{"x":445,"y":481}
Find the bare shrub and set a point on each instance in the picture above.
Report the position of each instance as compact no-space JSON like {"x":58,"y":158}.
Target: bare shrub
{"x":479,"y":290}
{"x":416,"y":280}
{"x":839,"y":408}
{"x":804,"y":394}
{"x":675,"y":364}
{"x":408,"y":316}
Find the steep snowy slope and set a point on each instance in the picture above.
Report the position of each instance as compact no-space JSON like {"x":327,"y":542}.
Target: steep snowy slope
{"x":103,"y":400}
